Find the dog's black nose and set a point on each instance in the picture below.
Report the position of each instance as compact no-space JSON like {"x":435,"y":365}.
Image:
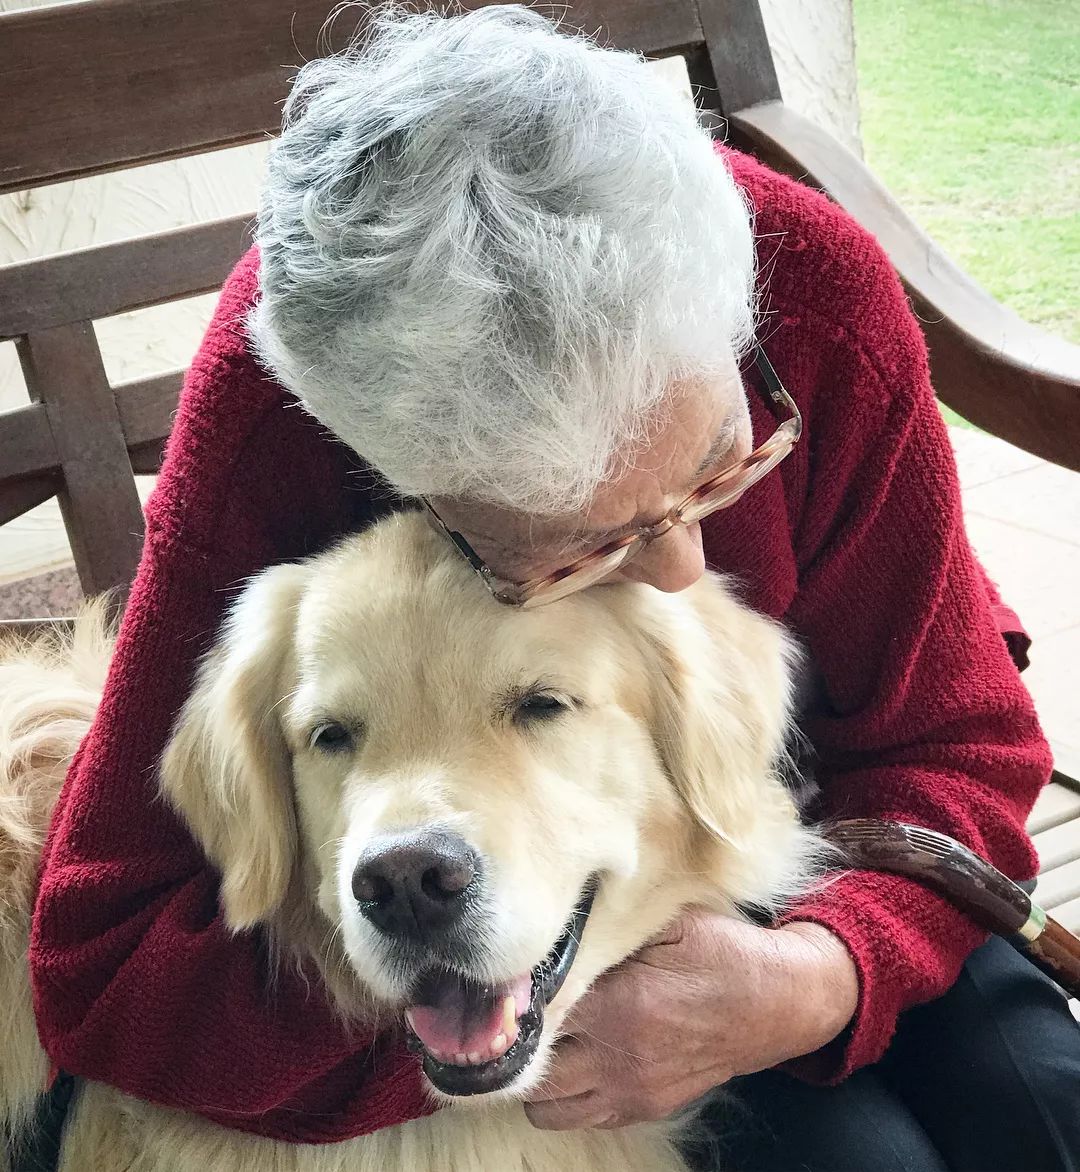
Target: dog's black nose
{"x":415,"y":885}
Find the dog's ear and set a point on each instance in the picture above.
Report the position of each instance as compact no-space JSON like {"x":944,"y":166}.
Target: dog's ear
{"x":226,"y":769}
{"x":721,"y":694}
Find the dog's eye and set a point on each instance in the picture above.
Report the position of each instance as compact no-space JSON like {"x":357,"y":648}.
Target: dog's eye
{"x":537,"y":706}
{"x":330,"y":737}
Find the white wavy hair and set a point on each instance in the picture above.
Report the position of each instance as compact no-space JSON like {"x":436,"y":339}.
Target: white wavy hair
{"x":489,"y":248}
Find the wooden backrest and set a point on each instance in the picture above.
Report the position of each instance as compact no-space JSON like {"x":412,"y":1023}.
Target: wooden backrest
{"x":103,"y":85}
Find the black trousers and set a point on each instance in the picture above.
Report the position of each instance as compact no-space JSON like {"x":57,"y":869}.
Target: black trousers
{"x":985,"y":1079}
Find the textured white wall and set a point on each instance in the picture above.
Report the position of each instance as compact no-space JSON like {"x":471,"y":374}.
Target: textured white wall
{"x":815,"y":59}
{"x":813,"y":42}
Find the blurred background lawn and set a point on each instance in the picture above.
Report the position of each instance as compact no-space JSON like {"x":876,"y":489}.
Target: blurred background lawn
{"x":971,"y":116}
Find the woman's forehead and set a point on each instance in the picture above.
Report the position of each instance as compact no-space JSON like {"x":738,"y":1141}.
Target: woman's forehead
{"x":697,"y":427}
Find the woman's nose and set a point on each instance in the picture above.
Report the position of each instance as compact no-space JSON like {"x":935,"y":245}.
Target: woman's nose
{"x":670,"y":563}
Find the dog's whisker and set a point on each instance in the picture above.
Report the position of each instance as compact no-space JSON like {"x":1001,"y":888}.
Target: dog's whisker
{"x":615,"y":1049}
{"x":550,"y":1082}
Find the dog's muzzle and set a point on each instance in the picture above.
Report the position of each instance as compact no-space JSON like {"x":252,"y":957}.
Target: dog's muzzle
{"x":477,"y":1038}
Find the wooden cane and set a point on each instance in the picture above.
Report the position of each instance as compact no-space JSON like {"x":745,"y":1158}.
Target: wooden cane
{"x":971,"y":884}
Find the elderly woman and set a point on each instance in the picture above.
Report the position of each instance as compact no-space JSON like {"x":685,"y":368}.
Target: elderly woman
{"x":504,"y":270}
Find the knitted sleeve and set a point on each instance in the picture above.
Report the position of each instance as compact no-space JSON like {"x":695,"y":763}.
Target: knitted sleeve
{"x":925,"y":718}
{"x":137,"y":981}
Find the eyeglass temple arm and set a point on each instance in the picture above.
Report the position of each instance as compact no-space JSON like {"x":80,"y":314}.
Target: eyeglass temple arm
{"x":464,"y":548}
{"x":777,"y":393}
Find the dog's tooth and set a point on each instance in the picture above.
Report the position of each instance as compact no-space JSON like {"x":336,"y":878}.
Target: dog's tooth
{"x":509,"y":1016}
{"x":474,"y":1057}
{"x":499,"y":1046}
{"x":461,"y":1059}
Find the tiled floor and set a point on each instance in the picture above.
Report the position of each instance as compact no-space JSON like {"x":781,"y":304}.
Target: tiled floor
{"x":1023,"y":518}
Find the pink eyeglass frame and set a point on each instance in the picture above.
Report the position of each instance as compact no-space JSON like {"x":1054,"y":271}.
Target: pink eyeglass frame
{"x":738,"y":478}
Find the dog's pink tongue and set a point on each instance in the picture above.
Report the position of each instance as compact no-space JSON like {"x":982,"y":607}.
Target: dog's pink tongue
{"x":462,"y":1022}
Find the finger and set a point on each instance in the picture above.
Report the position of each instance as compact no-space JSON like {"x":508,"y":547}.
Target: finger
{"x":572,"y":1072}
{"x":569,"y":1114}
{"x":580,"y":1024}
{"x":598,"y":1013}
{"x":671,"y":933}
{"x":612,"y":1122}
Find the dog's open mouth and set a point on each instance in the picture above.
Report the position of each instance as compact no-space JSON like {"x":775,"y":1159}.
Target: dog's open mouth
{"x":478,"y":1038}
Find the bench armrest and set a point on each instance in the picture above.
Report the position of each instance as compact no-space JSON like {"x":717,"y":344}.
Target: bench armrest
{"x":1000,"y":372}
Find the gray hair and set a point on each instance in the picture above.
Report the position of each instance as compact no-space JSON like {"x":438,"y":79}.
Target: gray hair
{"x":488,"y":250}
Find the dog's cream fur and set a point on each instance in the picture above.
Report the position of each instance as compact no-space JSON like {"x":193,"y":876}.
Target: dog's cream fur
{"x":660,"y":779}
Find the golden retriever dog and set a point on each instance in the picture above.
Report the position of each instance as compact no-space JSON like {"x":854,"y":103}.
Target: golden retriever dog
{"x":462,"y":812}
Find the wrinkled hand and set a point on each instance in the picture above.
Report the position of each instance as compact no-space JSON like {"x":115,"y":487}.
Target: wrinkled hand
{"x":710,"y":998}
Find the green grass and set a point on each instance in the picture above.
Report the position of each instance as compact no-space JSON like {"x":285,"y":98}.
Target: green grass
{"x":971,"y":116}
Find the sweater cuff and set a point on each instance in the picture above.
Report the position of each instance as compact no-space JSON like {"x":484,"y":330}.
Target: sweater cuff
{"x":908,"y":945}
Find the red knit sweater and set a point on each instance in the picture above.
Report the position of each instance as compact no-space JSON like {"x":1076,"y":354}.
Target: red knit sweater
{"x":857,"y":543}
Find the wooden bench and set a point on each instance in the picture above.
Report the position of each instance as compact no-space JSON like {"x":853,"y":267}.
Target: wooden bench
{"x":1055,"y":828}
{"x":104,"y":85}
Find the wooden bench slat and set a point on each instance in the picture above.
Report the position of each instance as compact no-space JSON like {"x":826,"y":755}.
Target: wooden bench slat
{"x":30,"y":628}
{"x":20,"y":497}
{"x":30,"y":462}
{"x":1058,"y":886}
{"x":1055,"y":805}
{"x":146,"y":407}
{"x":1007,"y":376}
{"x":27,"y":447}
{"x":1058,"y":845}
{"x":106,"y":84}
{"x":98,"y":499}
{"x":87,"y":284}
{"x":739,"y":55}
{"x":146,"y":459}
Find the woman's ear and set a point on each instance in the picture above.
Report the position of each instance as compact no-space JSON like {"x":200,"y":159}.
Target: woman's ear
{"x":227,"y":770}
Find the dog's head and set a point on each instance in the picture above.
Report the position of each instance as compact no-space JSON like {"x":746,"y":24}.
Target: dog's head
{"x":487,"y":806}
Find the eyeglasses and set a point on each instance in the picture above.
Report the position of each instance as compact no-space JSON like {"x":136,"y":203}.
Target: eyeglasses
{"x":720,"y":492}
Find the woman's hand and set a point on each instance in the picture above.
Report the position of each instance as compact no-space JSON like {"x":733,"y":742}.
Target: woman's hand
{"x":710,"y":998}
